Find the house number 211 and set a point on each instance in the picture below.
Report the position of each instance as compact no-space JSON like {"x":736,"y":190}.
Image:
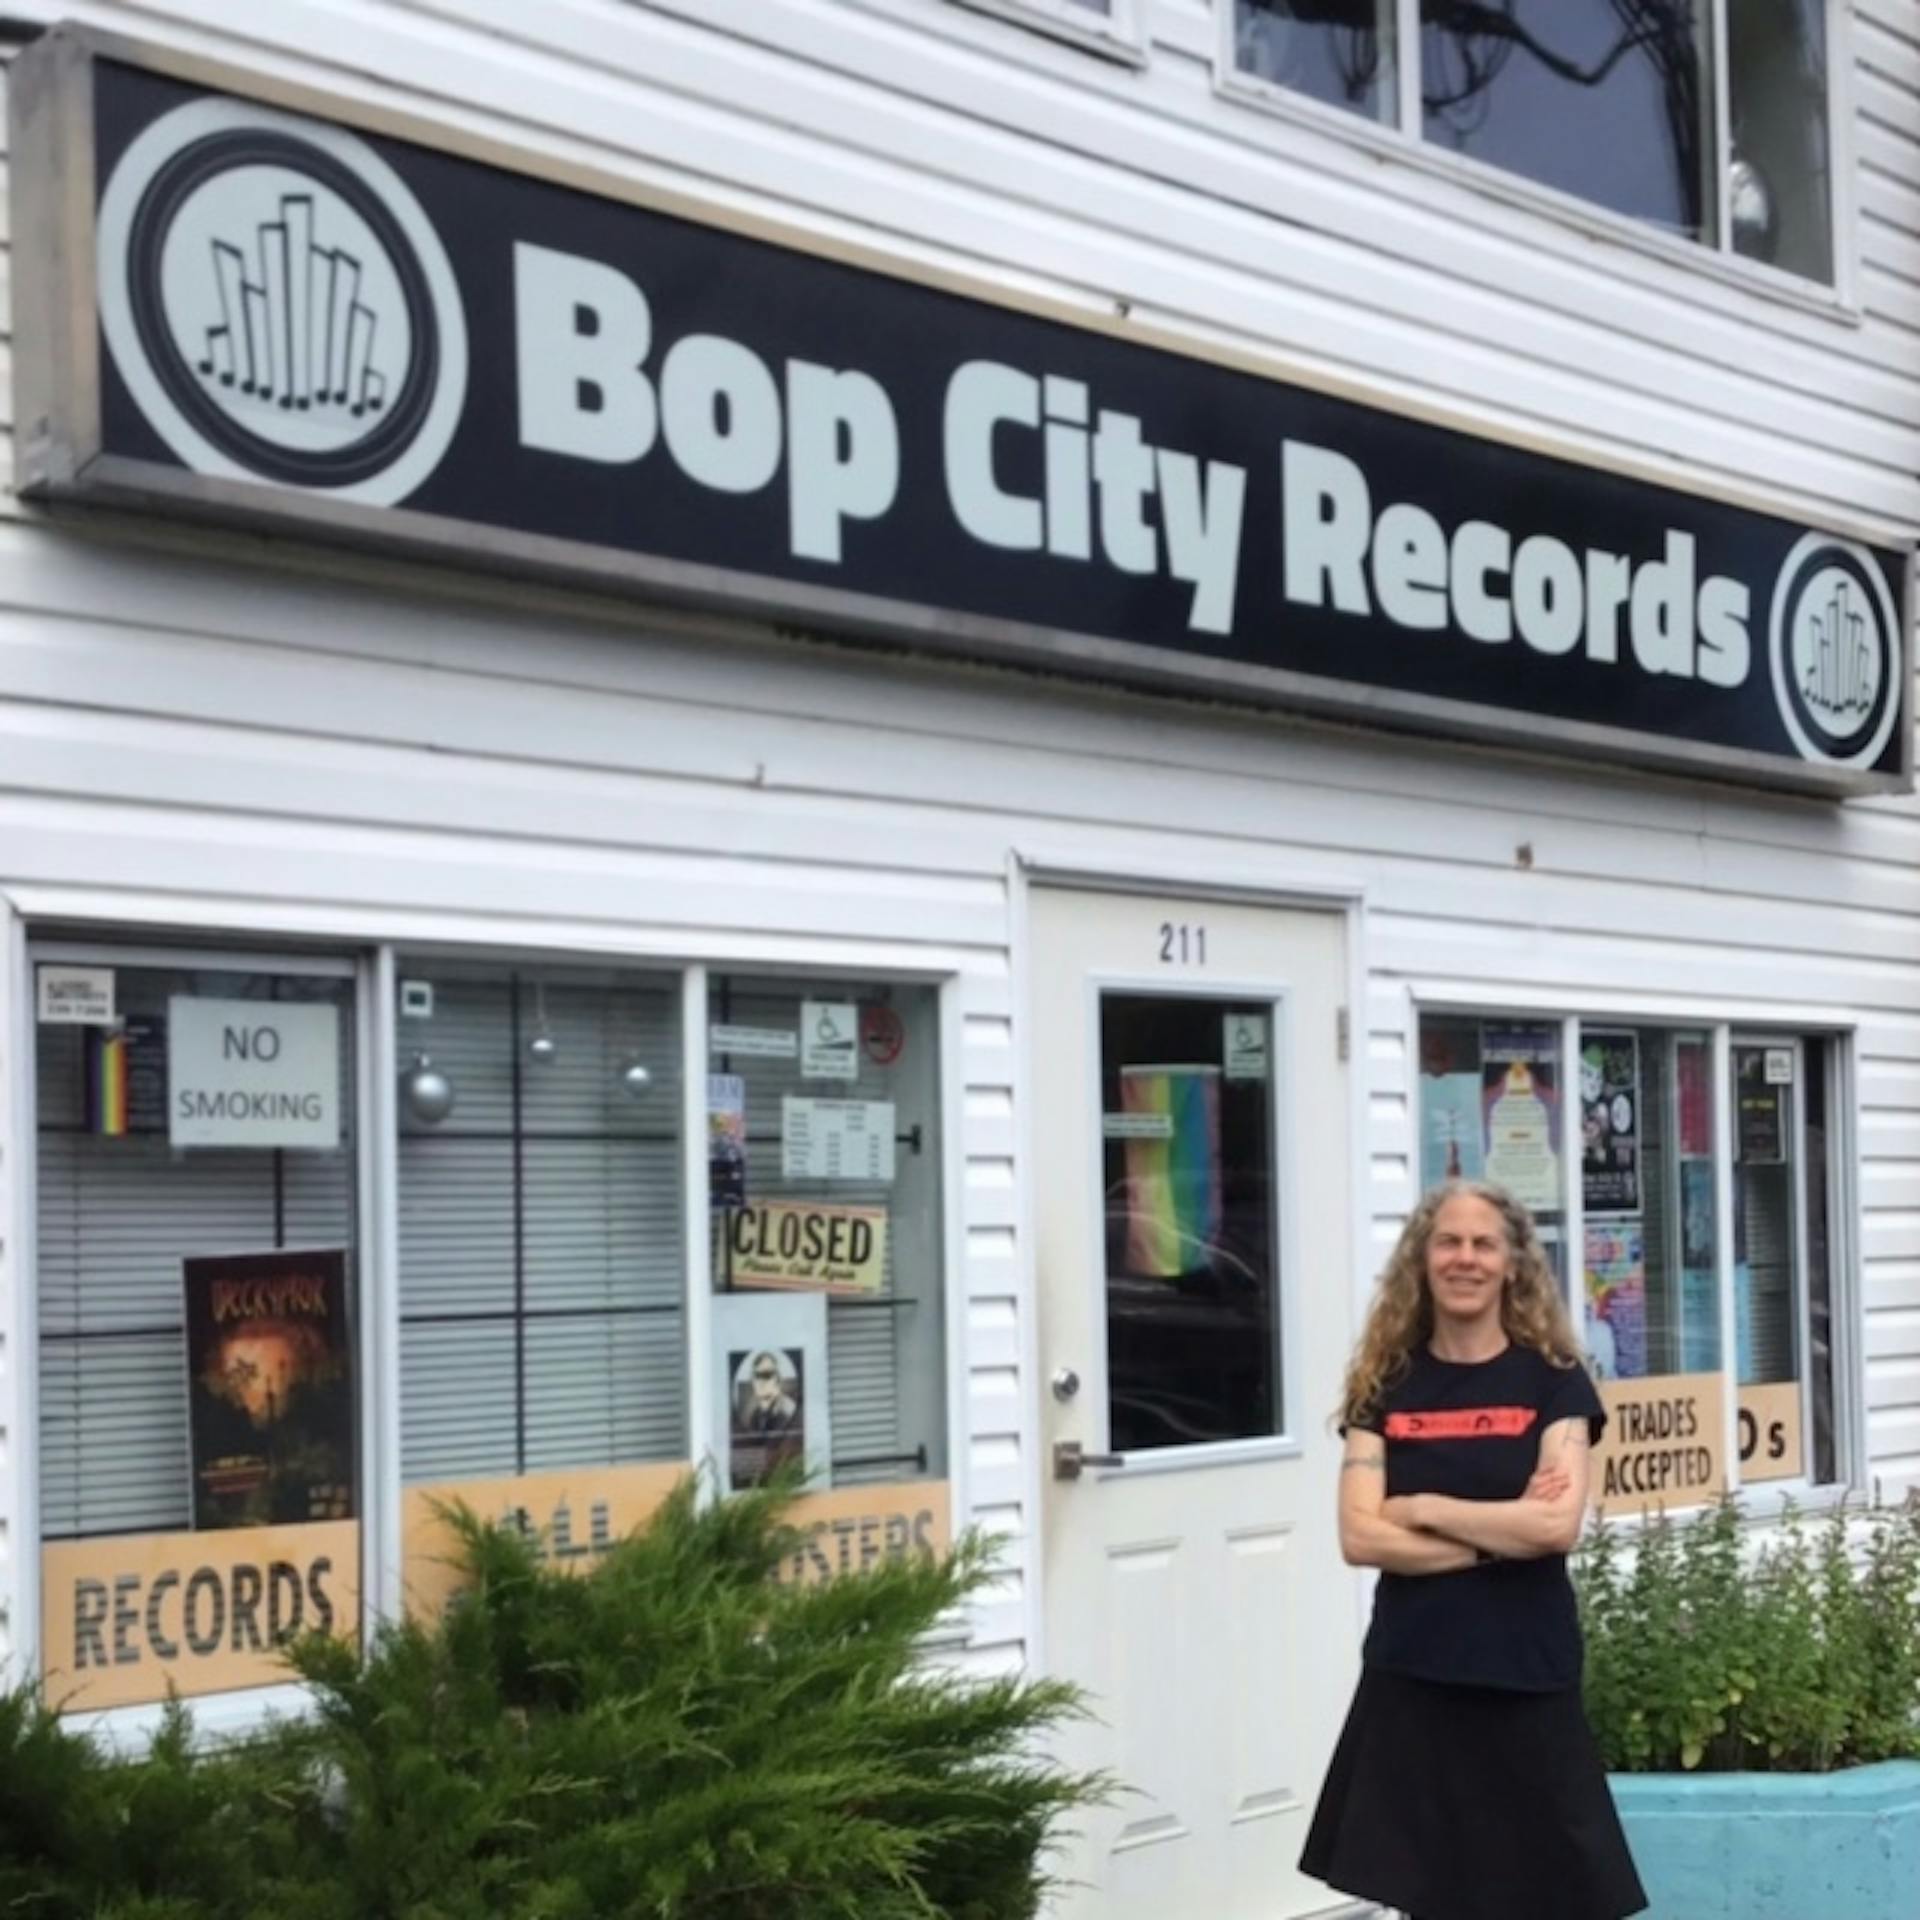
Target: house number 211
{"x":1182,"y":945}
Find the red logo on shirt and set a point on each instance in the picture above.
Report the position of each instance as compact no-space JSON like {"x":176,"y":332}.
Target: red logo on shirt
{"x":1463,"y":1423}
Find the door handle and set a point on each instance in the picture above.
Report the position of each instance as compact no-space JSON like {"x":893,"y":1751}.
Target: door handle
{"x":1070,"y":1460}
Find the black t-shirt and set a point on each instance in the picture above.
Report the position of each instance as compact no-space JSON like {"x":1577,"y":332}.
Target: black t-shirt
{"x":1472,"y":1430}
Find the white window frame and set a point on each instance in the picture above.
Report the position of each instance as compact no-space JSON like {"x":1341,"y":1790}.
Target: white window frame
{"x":1401,"y":137}
{"x":1119,"y":34}
{"x":1767,"y":1499}
{"x":370,"y":960}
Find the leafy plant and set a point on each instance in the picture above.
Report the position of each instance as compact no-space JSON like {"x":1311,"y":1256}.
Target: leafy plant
{"x":1800,"y":1653}
{"x":673,"y":1735}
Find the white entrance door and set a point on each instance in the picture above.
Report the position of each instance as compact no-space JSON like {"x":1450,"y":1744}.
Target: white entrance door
{"x":1193,"y":1180}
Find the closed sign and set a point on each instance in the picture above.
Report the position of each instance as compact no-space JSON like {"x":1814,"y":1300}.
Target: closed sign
{"x":251,"y":1073}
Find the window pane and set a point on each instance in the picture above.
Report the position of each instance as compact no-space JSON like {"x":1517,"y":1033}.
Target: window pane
{"x":542,"y":1323}
{"x":1339,"y":51}
{"x":1652,"y":1305}
{"x":1779,"y":1190}
{"x":129,"y":1226}
{"x":1193,"y":1322}
{"x":1604,"y":100}
{"x":1779,"y":192}
{"x":1490,"y":1110}
{"x":823,"y":1106}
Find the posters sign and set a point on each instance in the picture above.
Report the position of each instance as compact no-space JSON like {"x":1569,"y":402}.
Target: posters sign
{"x":806,"y":1245}
{"x":1520,"y":1096}
{"x":829,"y":1040}
{"x":573,"y":1516}
{"x":860,"y":1528}
{"x":1610,"y":1121}
{"x":270,"y":1388}
{"x":252,"y":1073}
{"x":1665,"y":1443}
{"x":756,"y":1043}
{"x":129,"y":1617}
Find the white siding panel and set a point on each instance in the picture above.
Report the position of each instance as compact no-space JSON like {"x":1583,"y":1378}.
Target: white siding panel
{"x":286,"y":748}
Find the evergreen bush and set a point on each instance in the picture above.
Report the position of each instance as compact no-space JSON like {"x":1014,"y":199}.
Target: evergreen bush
{"x":1801,"y":1656}
{"x":673,"y":1735}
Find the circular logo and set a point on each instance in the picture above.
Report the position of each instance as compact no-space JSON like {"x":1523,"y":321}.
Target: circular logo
{"x":278,"y":304}
{"x":1835,"y":653}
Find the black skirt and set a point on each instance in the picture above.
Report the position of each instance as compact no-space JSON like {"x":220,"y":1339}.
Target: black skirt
{"x":1471,"y":1803}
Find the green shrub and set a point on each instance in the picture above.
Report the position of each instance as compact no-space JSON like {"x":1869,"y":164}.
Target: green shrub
{"x":673,"y":1735}
{"x":1803,"y":1655}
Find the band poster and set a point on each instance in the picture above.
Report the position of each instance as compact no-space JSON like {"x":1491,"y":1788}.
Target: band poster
{"x":1610,"y":1121}
{"x":271,"y":1388}
{"x":1520,"y":1094}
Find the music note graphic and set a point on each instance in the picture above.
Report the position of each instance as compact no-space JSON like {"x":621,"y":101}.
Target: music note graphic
{"x":294,"y":332}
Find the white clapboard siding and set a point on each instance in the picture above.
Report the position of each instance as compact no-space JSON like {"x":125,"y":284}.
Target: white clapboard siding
{"x":341,"y":748}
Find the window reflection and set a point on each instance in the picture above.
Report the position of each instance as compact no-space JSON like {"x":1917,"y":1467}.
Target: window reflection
{"x":1192,"y":1301}
{"x":1339,"y":51}
{"x":1601,"y":98}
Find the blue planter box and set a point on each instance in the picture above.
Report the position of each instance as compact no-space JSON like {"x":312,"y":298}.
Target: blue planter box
{"x":1776,"y":1846}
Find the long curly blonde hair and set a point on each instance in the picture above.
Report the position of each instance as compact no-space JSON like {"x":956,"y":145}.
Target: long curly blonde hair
{"x":1401,"y":1316}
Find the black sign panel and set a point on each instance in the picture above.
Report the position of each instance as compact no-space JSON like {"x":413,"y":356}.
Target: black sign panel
{"x":303,"y":322}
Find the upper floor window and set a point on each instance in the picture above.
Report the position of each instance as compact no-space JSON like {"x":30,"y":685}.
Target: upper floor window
{"x":1614,"y":102}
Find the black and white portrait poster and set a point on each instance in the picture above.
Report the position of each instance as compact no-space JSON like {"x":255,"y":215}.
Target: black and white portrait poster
{"x":771,"y":1408}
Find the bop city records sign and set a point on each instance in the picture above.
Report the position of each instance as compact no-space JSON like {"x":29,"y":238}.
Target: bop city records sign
{"x":303,"y":324}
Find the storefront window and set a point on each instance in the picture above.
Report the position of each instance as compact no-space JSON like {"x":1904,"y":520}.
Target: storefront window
{"x":197,"y":1275}
{"x":542,"y":1312}
{"x":828,"y":1346}
{"x":1654,"y":1272}
{"x":1192,"y":1295}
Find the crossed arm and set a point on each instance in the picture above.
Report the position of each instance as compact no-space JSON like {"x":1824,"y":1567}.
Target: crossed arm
{"x":1434,"y":1533}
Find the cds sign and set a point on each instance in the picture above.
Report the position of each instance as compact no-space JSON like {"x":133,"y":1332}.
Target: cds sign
{"x":286,"y":322}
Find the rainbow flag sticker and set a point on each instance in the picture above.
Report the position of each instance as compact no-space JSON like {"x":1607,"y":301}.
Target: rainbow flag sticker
{"x":1173,"y":1189}
{"x":106,"y":1081}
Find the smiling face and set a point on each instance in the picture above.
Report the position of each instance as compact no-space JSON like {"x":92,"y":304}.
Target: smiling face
{"x":1468,"y":1260}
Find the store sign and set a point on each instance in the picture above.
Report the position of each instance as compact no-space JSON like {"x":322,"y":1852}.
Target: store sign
{"x":75,"y":996}
{"x":1665,"y":1443}
{"x":856,"y":1529}
{"x":252,"y":1073}
{"x":299,"y":324}
{"x":807,"y":1246}
{"x":132,"y":1617}
{"x":573,"y":1517}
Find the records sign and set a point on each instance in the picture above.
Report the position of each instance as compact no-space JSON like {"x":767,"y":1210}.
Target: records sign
{"x":270,"y":1394}
{"x":273,"y":313}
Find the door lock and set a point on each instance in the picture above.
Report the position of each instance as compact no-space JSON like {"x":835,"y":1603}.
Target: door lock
{"x":1065,"y":1383}
{"x":1070,"y":1460}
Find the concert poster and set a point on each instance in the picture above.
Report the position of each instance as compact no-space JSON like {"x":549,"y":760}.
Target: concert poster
{"x":270,"y":1388}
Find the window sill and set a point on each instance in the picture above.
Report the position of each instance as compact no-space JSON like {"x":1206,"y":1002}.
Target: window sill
{"x":1117,"y":38}
{"x":1495,"y":184}
{"x":218,"y":1718}
{"x":1761,"y":1506}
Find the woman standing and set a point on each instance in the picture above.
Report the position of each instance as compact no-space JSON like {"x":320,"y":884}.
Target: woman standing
{"x":1466,"y":1785}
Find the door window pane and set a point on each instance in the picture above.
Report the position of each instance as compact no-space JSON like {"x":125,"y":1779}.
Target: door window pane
{"x":1192,"y":1287}
{"x":1780,"y":189}
{"x":1339,"y":51}
{"x":1606,"y":101}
